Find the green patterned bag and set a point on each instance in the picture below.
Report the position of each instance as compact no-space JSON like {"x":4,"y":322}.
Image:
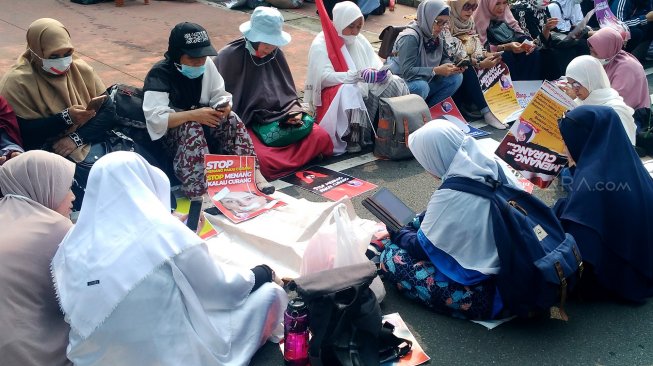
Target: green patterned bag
{"x":276,"y":134}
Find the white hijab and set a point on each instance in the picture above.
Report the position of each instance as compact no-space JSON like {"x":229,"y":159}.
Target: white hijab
{"x":457,"y":223}
{"x":589,"y":72}
{"x":361,"y":54}
{"x":124,"y":233}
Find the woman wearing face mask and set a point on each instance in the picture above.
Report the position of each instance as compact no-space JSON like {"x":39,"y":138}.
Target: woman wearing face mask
{"x":420,"y":57}
{"x":558,"y":51}
{"x":256,"y":73}
{"x":625,"y":72}
{"x":350,"y":96}
{"x":34,"y":218}
{"x":519,"y":51}
{"x":589,"y":84}
{"x":461,"y":42}
{"x":49,"y":89}
{"x":187,"y":108}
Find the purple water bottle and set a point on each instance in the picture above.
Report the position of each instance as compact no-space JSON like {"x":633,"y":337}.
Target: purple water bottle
{"x":295,"y":330}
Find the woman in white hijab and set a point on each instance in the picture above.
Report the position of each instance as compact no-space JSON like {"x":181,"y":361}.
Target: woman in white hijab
{"x":588,"y":82}
{"x":34,"y":217}
{"x":447,"y":258}
{"x":350,"y":113}
{"x":139,"y":288}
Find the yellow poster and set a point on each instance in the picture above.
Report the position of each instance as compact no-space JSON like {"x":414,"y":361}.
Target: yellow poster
{"x":534,"y":146}
{"x":499,"y":92}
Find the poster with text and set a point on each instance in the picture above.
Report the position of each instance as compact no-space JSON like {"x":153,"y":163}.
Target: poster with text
{"x":328,"y":183}
{"x":232,"y":188}
{"x":607,"y":19}
{"x":499,"y":92}
{"x":533,"y":145}
{"x":525,"y":91}
{"x":448,"y":110}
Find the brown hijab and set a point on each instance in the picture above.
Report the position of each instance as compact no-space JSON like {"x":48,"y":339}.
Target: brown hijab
{"x":32,"y":92}
{"x":33,"y":328}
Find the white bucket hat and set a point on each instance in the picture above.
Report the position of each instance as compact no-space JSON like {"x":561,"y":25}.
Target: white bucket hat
{"x":265,"y":26}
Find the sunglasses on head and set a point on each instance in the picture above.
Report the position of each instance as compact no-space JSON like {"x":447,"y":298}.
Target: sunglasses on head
{"x":468,"y":7}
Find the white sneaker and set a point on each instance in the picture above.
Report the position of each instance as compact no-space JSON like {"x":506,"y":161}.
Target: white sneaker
{"x":491,"y":120}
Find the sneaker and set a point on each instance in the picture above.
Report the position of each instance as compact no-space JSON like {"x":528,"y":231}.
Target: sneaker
{"x":491,"y":120}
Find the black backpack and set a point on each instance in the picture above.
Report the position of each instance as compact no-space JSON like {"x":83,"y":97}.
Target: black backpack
{"x":345,"y":318}
{"x":539,"y":262}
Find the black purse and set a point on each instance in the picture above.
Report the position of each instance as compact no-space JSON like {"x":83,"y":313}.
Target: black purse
{"x":499,"y":32}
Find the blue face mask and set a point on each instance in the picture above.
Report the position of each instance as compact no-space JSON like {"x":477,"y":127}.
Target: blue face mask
{"x":191,"y":72}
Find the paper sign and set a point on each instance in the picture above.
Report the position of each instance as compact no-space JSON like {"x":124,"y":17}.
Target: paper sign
{"x":448,"y":110}
{"x":499,"y":92}
{"x":328,"y":183}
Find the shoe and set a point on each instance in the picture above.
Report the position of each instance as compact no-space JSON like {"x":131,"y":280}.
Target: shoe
{"x":491,"y":120}
{"x":262,"y":184}
{"x":353,"y":147}
{"x":470,"y":112}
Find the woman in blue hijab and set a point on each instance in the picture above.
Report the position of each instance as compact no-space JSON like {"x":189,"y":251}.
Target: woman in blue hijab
{"x":609,"y":209}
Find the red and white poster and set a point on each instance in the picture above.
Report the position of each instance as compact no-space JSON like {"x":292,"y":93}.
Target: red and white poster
{"x":328,"y":183}
{"x":232,"y":188}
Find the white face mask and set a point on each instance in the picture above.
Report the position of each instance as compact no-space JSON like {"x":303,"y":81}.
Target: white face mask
{"x":541,"y":4}
{"x":56,"y":66}
{"x":604,"y":61}
{"x":350,"y":40}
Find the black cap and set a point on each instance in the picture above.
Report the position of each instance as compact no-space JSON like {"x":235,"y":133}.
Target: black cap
{"x":191,"y":39}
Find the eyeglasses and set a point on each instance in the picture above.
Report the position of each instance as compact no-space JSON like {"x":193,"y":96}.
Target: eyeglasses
{"x":575,"y":84}
{"x":470,"y":7}
{"x":441,"y":23}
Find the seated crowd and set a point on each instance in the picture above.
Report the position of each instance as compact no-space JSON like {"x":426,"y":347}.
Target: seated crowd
{"x":68,"y":298}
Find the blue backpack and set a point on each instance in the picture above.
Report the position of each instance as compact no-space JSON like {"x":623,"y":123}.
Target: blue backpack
{"x":539,"y":261}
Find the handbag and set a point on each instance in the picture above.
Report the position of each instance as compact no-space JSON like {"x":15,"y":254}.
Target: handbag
{"x":129,"y":105}
{"x":279,"y":134}
{"x":345,"y":318}
{"x":388,"y":37}
{"x":499,"y":32}
{"x":398,"y":118}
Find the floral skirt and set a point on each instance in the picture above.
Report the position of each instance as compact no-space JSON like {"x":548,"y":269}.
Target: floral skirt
{"x":421,"y":281}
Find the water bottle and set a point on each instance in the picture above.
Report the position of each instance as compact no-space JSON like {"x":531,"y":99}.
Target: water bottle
{"x":295,"y":330}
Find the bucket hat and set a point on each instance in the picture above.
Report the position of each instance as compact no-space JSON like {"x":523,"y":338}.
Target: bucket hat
{"x":265,"y":26}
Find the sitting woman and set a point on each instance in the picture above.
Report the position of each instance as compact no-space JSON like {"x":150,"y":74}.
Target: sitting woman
{"x":50,"y":89}
{"x":589,"y":84}
{"x":558,"y":50}
{"x":11,"y":144}
{"x":34,"y":218}
{"x":420,"y":58}
{"x":345,"y":97}
{"x":257,"y":75}
{"x":625,"y":72}
{"x":142,"y":289}
{"x":187,"y":108}
{"x":499,"y":31}
{"x":608,"y":209}
{"x":445,"y":264}
{"x":462,"y":43}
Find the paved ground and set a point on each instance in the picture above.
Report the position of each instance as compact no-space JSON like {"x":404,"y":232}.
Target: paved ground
{"x":122,"y":44}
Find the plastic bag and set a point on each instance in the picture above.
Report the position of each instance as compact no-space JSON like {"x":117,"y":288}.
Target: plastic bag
{"x":339,"y":242}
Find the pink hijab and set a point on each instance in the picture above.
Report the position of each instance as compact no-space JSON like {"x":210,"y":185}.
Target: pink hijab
{"x":483,"y":15}
{"x":625,"y":72}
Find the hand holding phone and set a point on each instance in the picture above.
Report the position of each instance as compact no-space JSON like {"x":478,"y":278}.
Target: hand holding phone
{"x":96,"y":103}
{"x":194,"y":213}
{"x":222,"y":102}
{"x":464,"y":63}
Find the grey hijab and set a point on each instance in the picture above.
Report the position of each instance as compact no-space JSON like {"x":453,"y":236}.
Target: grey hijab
{"x":427,"y":11}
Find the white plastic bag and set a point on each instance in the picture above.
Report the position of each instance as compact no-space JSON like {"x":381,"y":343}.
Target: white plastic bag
{"x":340,"y":242}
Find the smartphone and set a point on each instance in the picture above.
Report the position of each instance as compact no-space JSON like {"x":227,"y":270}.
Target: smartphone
{"x":96,"y":103}
{"x":498,"y":53}
{"x":464,"y":63}
{"x":223,"y":101}
{"x":194,"y":213}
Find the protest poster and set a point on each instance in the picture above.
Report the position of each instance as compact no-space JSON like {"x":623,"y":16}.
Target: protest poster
{"x":232,"y":188}
{"x":416,"y":356}
{"x":448,"y":110}
{"x":525,"y":91}
{"x":533,"y":145}
{"x":499,"y":92}
{"x":328,"y":183}
{"x":207,"y":231}
{"x":607,"y":19}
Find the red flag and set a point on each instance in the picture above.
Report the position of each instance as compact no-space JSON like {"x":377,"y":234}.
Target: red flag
{"x":334,"y":43}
